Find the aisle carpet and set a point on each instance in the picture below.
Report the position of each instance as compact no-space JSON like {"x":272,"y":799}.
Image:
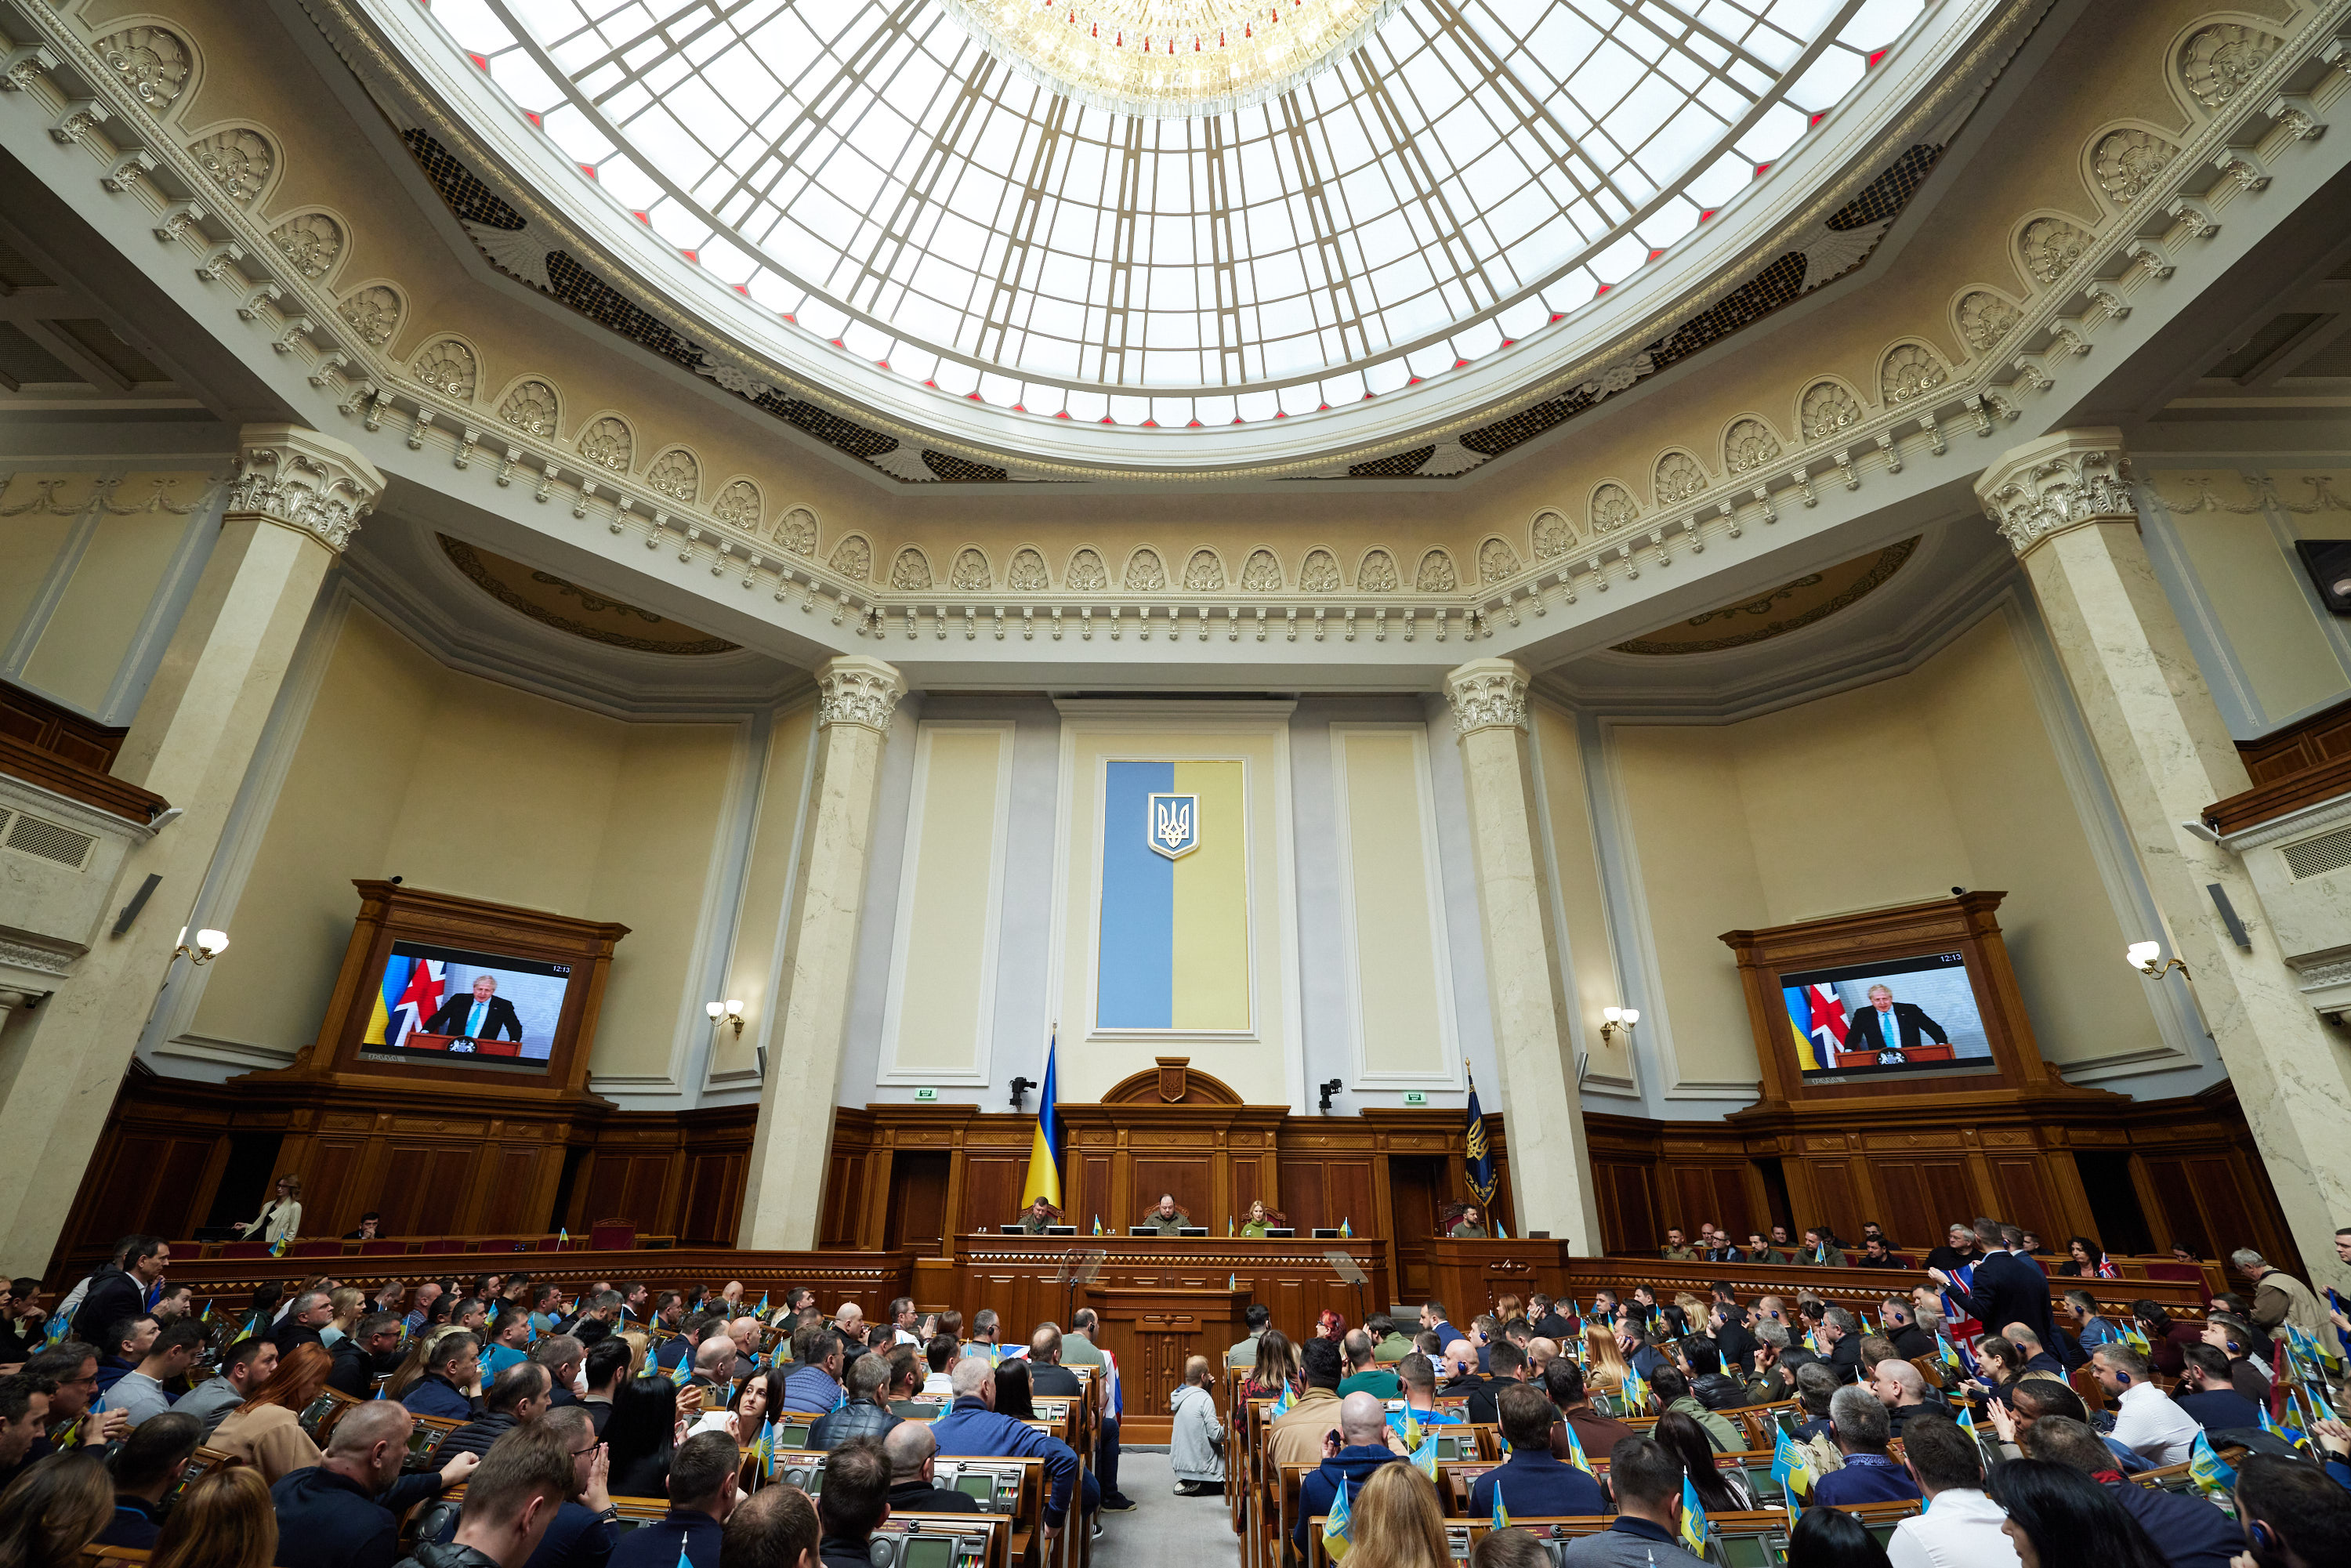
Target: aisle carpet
{"x":1164,"y":1530}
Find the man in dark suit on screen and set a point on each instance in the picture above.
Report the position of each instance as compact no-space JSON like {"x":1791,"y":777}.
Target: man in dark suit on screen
{"x":479,"y":1014}
{"x":1887,"y":1025}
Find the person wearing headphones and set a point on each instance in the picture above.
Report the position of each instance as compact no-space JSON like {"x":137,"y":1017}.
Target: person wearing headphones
{"x":2148,"y":1423}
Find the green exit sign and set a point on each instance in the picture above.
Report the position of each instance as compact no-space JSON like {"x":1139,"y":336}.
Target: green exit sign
{"x":1415,"y":1097}
{"x":926,"y":1093}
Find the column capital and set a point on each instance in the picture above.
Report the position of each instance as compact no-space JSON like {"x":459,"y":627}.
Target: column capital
{"x":856,"y":689}
{"x":304,"y":481}
{"x":2064,"y":480}
{"x":1486,"y":693}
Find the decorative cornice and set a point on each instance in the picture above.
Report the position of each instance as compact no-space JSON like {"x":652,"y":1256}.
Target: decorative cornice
{"x":2293,"y":825}
{"x":1488,"y":693}
{"x":2063,"y":480}
{"x":854,"y":689}
{"x":311,"y":483}
{"x":39,"y":960}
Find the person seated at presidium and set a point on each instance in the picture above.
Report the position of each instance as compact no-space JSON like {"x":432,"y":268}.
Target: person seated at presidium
{"x":1165,"y":1220}
{"x":1467,"y":1224}
{"x":1890,"y":1028}
{"x":1260,"y":1220}
{"x":1038,"y":1215}
{"x":479,"y":1014}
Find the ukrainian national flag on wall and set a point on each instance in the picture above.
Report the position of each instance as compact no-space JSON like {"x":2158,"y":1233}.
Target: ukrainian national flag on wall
{"x":1175,"y":927}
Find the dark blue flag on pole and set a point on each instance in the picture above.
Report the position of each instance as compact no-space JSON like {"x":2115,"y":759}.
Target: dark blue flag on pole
{"x":1479,"y":1153}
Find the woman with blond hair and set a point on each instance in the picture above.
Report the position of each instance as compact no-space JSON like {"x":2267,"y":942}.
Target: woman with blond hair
{"x":346,"y":1301}
{"x":224,"y":1521}
{"x":1604,"y":1366}
{"x":1397,"y":1523}
{"x":280,"y":1218}
{"x":266,"y":1431}
{"x":53,"y":1509}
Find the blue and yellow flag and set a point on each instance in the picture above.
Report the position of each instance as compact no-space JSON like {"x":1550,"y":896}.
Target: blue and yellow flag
{"x":1424,"y":1456}
{"x":1476,"y":1150}
{"x":1282,"y":1404}
{"x":1174,"y":919}
{"x":682,"y":1374}
{"x":764,"y":1450}
{"x":1045,"y":1144}
{"x":1575,"y":1454}
{"x":2209,"y":1470}
{"x":1636,"y":1393}
{"x":1694,"y":1531}
{"x":1097,"y":1225}
{"x":2134,"y":1338}
{"x":1790,"y":1468}
{"x":1347,"y":1229}
{"x":1943,"y":1348}
{"x":562,"y":1236}
{"x":278,"y":1248}
{"x":1337,"y":1527}
{"x":1501,"y":1516}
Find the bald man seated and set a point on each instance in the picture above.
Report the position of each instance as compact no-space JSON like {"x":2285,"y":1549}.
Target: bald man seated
{"x":913,"y":1464}
{"x":1365,"y":1444}
{"x":347,"y":1509}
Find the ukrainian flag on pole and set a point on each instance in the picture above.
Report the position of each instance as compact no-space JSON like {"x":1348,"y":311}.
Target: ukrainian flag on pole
{"x":1045,"y":1144}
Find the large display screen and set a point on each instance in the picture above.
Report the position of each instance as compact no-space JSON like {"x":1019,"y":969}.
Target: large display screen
{"x":464,"y":1009}
{"x":1890,"y":1016}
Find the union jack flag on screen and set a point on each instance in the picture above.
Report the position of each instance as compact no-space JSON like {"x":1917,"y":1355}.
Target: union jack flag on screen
{"x":411,"y":994}
{"x":1816,"y":1016}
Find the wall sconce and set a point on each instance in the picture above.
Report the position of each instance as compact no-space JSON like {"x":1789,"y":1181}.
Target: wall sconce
{"x":731,"y":1013}
{"x":2144,"y":956}
{"x":1616,"y":1020}
{"x":209,"y":946}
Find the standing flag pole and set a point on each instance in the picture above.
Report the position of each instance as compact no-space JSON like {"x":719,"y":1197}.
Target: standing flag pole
{"x":1476,"y":1150}
{"x":1045,"y":1144}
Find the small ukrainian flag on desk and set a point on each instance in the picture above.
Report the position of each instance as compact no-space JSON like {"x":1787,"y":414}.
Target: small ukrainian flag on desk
{"x":1337,"y":1526}
{"x":1694,"y":1529}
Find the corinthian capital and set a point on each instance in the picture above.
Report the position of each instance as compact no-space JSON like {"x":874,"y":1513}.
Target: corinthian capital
{"x":854,"y":689}
{"x":304,"y":481}
{"x":2061,"y":481}
{"x":1486,"y":693}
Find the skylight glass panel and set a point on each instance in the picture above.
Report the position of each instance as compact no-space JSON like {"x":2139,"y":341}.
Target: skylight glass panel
{"x":1392,"y":192}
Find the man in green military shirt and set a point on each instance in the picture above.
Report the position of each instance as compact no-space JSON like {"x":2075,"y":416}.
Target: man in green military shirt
{"x":1040,"y":1215}
{"x":1164,"y":1220}
{"x":1677,"y":1250}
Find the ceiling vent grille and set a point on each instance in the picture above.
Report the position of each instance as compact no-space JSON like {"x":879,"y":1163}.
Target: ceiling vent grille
{"x":2317,"y":856}
{"x":50,"y":841}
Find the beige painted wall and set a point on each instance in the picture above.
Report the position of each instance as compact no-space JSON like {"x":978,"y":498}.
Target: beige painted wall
{"x":942,"y":961}
{"x":1890,"y":794}
{"x":1404,"y":979}
{"x":463,"y":786}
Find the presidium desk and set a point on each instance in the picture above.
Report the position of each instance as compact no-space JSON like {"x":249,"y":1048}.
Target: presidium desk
{"x":1162,"y":1300}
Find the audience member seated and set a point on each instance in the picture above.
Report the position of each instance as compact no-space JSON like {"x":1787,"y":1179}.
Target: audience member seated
{"x":1048,"y":1378}
{"x":2293,"y":1516}
{"x":913,"y":1454}
{"x":1295,"y":1437}
{"x":117,"y":1292}
{"x":310,"y":1312}
{"x":2235,"y":1339}
{"x":143,"y":1393}
{"x":447,"y":1370}
{"x":1419,"y":1380}
{"x":2055,"y":1513}
{"x":54,"y":1509}
{"x":1961,"y":1526}
{"x":642,"y":1435}
{"x":975,"y":1429}
{"x":1858,"y":1426}
{"x":510,"y":1343}
{"x":1840,"y":1337}
{"x":1647,"y":1477}
{"x":702,"y":1493}
{"x":1718,"y":1491}
{"x":346,"y":1508}
{"x":1876,"y":1254}
{"x":1197,"y":1437}
{"x":245,"y":1366}
{"x":1532,"y":1481}
{"x":69,"y":1368}
{"x":607,"y":1365}
{"x":516,"y":1396}
{"x":1598,"y":1435}
{"x":371,"y":1350}
{"x":1898,"y":1386}
{"x":855,"y":1500}
{"x":221,"y":1521}
{"x":1902,"y":1328}
{"x":1673,"y":1392}
{"x":1815,"y":1386}
{"x":2210,"y":1396}
{"x":1772,"y":1379}
{"x":2037,"y":1355}
{"x":1703,"y":1361}
{"x":2148,"y":1421}
{"x":1365,"y":1446}
{"x":747,"y":1415}
{"x":2166,"y":1340}
{"x":266,"y":1431}
{"x":563,"y":1357}
{"x":2189,"y":1531}
{"x":814,"y":1386}
{"x":867,"y":1413}
{"x":1244,"y":1352}
{"x":1363,"y":1376}
{"x":775,"y":1527}
{"x":125,"y":1346}
{"x":23,"y":1418}
{"x":511,"y":1502}
{"x":147,"y":1470}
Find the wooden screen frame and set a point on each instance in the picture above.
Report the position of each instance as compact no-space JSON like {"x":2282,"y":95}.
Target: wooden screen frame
{"x":391,"y":913}
{"x":1965,"y":924}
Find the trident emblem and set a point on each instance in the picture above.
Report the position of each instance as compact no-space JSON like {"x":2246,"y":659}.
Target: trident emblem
{"x":1172,"y":824}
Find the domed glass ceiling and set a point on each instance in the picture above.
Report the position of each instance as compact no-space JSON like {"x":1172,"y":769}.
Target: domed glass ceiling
{"x":1355,"y":193}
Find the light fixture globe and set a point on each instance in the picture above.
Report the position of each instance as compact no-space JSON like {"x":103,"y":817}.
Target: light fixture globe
{"x":2143,"y":955}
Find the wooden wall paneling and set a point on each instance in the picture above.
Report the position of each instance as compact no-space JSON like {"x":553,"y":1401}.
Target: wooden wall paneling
{"x":837,"y":1223}
{"x":714,"y":1199}
{"x":1251,"y":1178}
{"x":2023,"y":1188}
{"x":1188,"y":1178}
{"x":2228,"y":1217}
{"x":918,"y":1200}
{"x":1092,"y":1189}
{"x":448,"y":1174}
{"x":992,"y":1194}
{"x":330,"y":1168}
{"x":509,"y":1183}
{"x":1837,"y":1193}
{"x":2175,"y":1215}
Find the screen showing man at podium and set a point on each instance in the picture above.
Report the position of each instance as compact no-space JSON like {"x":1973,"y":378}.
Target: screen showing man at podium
{"x":458,"y":1006}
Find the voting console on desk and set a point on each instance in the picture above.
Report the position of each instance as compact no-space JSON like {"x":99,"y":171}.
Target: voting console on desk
{"x":994,"y":1485}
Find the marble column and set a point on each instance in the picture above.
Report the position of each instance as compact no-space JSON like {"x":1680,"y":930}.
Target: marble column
{"x":1550,"y":1168}
{"x":791,"y":1150}
{"x":2065,"y":505}
{"x":296,"y":499}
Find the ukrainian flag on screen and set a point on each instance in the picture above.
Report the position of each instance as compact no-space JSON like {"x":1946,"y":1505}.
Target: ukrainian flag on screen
{"x":1174,"y":932}
{"x":394,"y":985}
{"x":1800,"y":1019}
